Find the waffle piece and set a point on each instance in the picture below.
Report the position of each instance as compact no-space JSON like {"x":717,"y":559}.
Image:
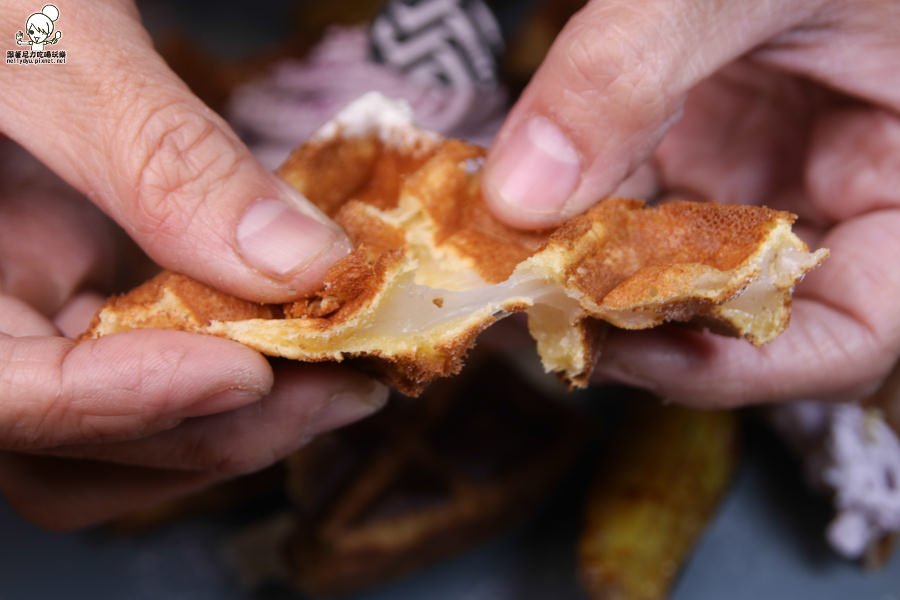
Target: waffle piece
{"x":432,"y":268}
{"x":424,"y":479}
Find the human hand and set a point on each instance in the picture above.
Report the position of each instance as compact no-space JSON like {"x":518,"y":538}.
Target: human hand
{"x":120,"y":127}
{"x":93,"y":429}
{"x":792,"y":105}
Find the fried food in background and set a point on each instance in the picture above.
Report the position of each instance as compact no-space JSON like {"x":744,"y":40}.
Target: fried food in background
{"x":661,"y":479}
{"x":425,"y":479}
{"x":421,"y":481}
{"x":432,"y":477}
{"x":432,"y":267}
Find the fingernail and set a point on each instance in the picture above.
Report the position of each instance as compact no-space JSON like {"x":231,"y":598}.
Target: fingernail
{"x":279,"y":237}
{"x":347,"y":406}
{"x":536,"y":169}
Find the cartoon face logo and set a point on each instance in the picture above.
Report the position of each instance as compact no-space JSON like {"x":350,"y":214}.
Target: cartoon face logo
{"x":40,"y":27}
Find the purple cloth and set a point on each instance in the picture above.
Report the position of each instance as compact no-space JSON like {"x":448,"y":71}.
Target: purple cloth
{"x":280,"y":110}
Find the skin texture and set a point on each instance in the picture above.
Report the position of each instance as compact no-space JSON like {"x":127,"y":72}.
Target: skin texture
{"x":94,"y":429}
{"x":791,"y":105}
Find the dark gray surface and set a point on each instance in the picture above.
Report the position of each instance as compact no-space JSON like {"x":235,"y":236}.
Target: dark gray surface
{"x":765,"y":543}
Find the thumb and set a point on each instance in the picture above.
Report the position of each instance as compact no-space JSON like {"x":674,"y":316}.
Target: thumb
{"x":129,"y":134}
{"x":611,"y":85}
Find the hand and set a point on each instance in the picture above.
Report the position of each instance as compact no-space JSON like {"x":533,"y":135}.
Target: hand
{"x":93,"y":429}
{"x":793,"y":105}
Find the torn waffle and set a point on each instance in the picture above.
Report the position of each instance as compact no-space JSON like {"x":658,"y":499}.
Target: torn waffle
{"x":425,"y":479}
{"x":432,"y":268}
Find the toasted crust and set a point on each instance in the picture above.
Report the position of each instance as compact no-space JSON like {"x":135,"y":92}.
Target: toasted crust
{"x":432,"y":268}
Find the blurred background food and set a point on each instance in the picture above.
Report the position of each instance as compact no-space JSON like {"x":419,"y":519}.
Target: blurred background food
{"x":431,"y":477}
{"x":661,"y":477}
{"x":493,"y":486}
{"x":488,"y":486}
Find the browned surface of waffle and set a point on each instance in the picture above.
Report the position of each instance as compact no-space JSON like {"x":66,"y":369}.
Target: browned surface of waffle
{"x":344,"y":176}
{"x":639,"y":246}
{"x":198,"y":304}
{"x":424,"y":479}
{"x":411,"y":203}
{"x":332,"y":172}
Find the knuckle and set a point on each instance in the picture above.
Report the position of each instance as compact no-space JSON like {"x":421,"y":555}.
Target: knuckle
{"x":26,"y":429}
{"x":593,"y":61}
{"x":140,"y":401}
{"x":30,"y":419}
{"x":596,"y":52}
{"x":182,"y":158}
{"x":154,"y":387}
{"x":614,"y":64}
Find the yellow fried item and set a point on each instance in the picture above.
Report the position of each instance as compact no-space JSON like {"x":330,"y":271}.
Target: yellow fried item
{"x":432,"y":267}
{"x":667,"y":470}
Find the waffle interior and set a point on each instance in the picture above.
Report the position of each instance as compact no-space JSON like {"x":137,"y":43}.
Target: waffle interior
{"x":432,"y":268}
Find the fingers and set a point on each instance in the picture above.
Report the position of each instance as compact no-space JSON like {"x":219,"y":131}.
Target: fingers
{"x":126,"y":132}
{"x":813,"y":360}
{"x":304,"y":403}
{"x":19,"y":319}
{"x":120,"y":387}
{"x":52,"y":241}
{"x":847,"y":47}
{"x":609,"y":88}
{"x":854,"y":163}
{"x":68,"y":493}
{"x":75,"y":316}
{"x":743,"y":138}
{"x":51,"y":249}
{"x":65,"y":494}
{"x":843,"y":338}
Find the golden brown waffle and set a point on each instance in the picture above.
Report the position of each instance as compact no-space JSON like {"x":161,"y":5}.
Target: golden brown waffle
{"x":424,"y":479}
{"x":432,"y":268}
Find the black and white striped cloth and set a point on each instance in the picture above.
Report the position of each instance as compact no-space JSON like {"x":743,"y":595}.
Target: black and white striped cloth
{"x":455,"y":43}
